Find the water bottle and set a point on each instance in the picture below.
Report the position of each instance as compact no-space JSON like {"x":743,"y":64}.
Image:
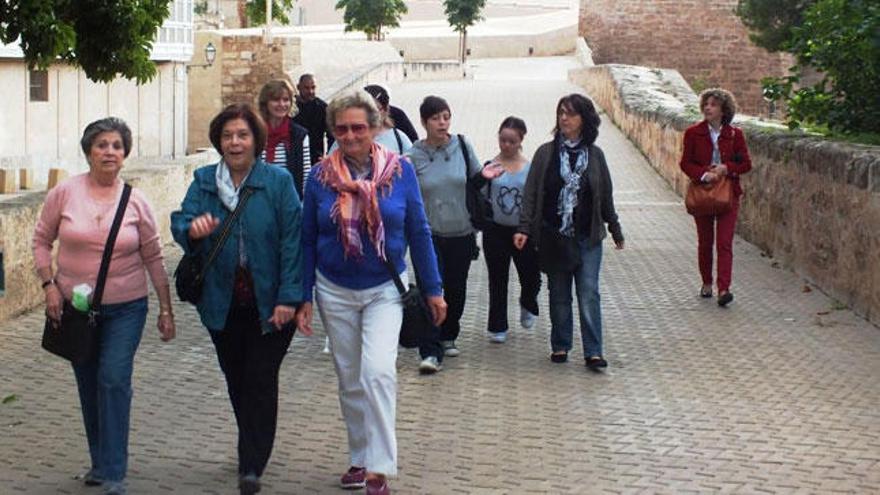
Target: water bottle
{"x":81,"y":295}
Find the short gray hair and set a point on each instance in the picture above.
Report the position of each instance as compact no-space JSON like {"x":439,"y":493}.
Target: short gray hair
{"x":108,"y":124}
{"x":354,"y":99}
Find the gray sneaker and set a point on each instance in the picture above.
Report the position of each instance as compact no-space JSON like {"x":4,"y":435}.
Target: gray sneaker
{"x":526,"y":318}
{"x":114,"y":488}
{"x":498,"y":337}
{"x":449,"y":348}
{"x":429,"y":365}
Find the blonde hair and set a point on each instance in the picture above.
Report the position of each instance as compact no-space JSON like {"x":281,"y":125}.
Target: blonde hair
{"x":725,"y":98}
{"x":272,"y":90}
{"x":354,"y":99}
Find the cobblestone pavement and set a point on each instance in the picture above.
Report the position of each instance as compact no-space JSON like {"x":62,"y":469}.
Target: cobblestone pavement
{"x":777,"y":394}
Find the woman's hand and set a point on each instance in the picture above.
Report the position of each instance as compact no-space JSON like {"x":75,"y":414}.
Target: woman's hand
{"x":167,"y":329}
{"x":492,"y":170}
{"x":710,"y":177}
{"x":304,"y":319}
{"x":54,"y":301}
{"x":719,"y":170}
{"x":282,"y":315}
{"x":438,"y":308}
{"x":618,"y":244}
{"x":202,"y":226}
{"x":520,"y":240}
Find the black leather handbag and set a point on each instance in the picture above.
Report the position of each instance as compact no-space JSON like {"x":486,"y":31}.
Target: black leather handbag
{"x":417,"y":322}
{"x":76,"y":337}
{"x":189,"y":276}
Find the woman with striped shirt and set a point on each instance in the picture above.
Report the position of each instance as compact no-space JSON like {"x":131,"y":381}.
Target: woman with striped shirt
{"x":288,"y":143}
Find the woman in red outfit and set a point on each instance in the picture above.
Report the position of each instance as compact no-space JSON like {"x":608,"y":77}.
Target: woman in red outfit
{"x":714,"y":149}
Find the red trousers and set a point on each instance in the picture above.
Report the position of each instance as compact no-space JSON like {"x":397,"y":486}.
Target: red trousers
{"x":723,"y":240}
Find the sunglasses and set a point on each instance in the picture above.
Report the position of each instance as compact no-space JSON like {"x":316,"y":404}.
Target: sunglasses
{"x":356,"y":129}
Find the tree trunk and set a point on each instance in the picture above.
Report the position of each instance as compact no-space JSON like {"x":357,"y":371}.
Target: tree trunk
{"x":464,"y":46}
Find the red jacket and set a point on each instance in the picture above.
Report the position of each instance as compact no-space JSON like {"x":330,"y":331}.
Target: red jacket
{"x":697,"y":155}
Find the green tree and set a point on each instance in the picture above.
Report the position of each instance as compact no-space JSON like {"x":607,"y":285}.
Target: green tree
{"x":106,"y":38}
{"x":461,"y":15}
{"x":256,"y":11}
{"x":841,"y":40}
{"x":371,"y":16}
{"x":771,"y":21}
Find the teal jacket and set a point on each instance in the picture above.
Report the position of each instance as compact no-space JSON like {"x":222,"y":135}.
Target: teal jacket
{"x":271,"y":224}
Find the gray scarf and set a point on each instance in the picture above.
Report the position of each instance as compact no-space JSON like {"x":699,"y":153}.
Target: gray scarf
{"x":571,"y":178}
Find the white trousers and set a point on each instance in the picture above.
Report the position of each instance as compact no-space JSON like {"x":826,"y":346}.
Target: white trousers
{"x":364,"y":327}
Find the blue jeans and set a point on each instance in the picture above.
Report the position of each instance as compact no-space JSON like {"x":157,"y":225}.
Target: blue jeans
{"x":105,"y":387}
{"x":586,"y":279}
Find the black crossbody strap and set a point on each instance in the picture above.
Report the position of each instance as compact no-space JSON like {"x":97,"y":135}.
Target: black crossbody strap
{"x":225,"y":229}
{"x":108,"y":248}
{"x":394,"y":275}
{"x":467,"y":157}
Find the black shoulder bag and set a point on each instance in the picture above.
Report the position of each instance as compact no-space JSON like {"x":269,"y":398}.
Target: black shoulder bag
{"x":417,"y":322}
{"x":77,"y":336}
{"x":478,"y":207}
{"x":189,"y":276}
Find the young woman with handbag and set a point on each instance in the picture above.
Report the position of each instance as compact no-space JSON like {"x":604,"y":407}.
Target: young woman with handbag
{"x":715,"y":155}
{"x":79,"y":213}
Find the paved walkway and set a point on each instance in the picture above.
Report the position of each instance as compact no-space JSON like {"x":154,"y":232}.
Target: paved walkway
{"x":777,"y":394}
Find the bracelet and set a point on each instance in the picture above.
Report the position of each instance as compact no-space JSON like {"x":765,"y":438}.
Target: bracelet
{"x":166,"y":313}
{"x":49,"y":282}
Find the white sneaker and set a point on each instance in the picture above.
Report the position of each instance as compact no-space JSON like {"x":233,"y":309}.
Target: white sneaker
{"x":526,"y":318}
{"x":429,"y":366}
{"x":449,"y":348}
{"x":326,"y":345}
{"x":498,"y":337}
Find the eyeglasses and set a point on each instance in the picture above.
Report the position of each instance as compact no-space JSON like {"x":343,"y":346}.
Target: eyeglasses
{"x":356,"y":129}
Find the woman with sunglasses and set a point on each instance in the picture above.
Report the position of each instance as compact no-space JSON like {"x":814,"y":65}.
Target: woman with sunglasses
{"x":362,"y":209}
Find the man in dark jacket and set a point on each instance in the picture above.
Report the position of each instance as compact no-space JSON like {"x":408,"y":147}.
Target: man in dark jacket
{"x":313,"y":116}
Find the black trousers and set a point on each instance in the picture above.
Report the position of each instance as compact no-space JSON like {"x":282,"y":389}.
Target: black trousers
{"x":454,"y":256}
{"x":498,"y":250}
{"x":250,"y":361}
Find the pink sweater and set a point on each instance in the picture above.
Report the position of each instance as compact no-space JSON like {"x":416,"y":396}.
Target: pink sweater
{"x":81,"y":224}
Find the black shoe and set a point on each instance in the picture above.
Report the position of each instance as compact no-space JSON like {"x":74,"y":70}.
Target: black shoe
{"x":249,"y":484}
{"x":705,"y":293}
{"x":559,"y":358}
{"x":725,"y":299}
{"x":596,"y":363}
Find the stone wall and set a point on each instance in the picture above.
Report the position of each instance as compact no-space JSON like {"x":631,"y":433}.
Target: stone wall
{"x":705,"y":41}
{"x":164,"y":182}
{"x":811,"y":203}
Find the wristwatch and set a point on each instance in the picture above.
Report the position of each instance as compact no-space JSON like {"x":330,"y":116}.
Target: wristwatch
{"x":49,"y":282}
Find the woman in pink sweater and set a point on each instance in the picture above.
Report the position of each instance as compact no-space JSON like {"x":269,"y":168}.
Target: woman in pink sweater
{"x":78,"y":214}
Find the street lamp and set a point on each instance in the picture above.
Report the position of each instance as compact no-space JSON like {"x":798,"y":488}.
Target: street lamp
{"x":210,"y":56}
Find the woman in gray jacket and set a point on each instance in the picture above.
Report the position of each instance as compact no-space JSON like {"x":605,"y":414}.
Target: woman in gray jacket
{"x":567,"y":202}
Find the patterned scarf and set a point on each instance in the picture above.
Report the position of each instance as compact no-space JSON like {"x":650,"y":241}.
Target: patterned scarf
{"x":357,"y":203}
{"x":571,"y":178}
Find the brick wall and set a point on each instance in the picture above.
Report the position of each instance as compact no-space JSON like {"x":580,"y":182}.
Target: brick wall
{"x":704,"y":40}
{"x":248,"y":63}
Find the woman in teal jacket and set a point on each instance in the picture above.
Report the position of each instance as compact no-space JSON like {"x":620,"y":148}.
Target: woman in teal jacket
{"x":252,"y":288}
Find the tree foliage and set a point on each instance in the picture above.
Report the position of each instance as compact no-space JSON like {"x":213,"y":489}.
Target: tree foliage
{"x":256,"y":11}
{"x":463,"y":14}
{"x":771,"y":21}
{"x":106,"y":38}
{"x":841,"y":40}
{"x":371,"y":16}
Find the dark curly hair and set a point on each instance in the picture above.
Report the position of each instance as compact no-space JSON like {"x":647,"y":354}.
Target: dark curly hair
{"x":580,"y":104}
{"x":725,"y":98}
{"x":245,"y":112}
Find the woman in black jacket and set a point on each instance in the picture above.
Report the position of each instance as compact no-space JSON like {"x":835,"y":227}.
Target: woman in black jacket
{"x":567,"y":202}
{"x":287,"y":144}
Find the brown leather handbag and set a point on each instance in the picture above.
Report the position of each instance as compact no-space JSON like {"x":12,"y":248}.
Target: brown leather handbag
{"x":709,"y":199}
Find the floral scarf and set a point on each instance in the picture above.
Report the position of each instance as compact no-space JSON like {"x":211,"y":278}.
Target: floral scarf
{"x":357,"y":202}
{"x":571,"y":178}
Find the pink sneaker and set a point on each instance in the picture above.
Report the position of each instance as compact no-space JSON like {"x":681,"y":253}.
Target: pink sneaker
{"x":378,"y":487}
{"x":356,"y":477}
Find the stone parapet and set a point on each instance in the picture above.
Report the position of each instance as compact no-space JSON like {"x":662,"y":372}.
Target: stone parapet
{"x":164,"y":182}
{"x":811,"y":203}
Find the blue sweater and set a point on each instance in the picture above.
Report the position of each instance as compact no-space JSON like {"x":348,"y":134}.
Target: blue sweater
{"x":403,"y":216}
{"x":270,"y":223}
